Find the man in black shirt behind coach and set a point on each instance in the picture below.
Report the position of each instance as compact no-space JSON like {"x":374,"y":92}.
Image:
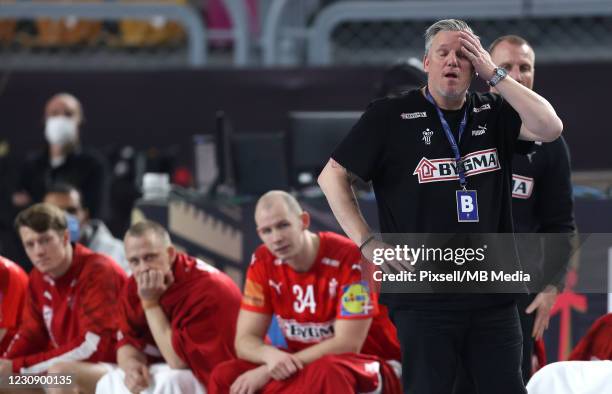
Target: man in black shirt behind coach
{"x":541,"y":203}
{"x":406,"y":147}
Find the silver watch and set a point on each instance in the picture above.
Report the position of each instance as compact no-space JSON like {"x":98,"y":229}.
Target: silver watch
{"x":498,"y":75}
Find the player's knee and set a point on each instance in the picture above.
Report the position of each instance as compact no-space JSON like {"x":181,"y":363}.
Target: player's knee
{"x":329,"y":360}
{"x":328,"y":367}
{"x":109,"y":382}
{"x":224,"y":375}
{"x":170,"y":380}
{"x":61,"y":368}
{"x":172,"y":377}
{"x":552,"y":369}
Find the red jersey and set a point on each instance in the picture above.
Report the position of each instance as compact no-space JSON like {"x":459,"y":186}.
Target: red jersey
{"x":597,"y":343}
{"x":308,"y":303}
{"x":13,"y":288}
{"x":70,"y":318}
{"x":202,"y":307}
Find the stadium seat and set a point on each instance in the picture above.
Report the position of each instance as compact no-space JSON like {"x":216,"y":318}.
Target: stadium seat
{"x":69,"y":31}
{"x":7,"y":31}
{"x":8,"y":28}
{"x":155,"y":32}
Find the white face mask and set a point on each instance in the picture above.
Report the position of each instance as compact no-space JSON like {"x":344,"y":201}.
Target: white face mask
{"x":60,"y":130}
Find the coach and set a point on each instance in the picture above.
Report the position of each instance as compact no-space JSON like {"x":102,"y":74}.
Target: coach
{"x":400,"y":144}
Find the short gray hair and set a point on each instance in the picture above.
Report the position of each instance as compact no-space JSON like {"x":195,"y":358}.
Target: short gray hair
{"x":444,"y":25}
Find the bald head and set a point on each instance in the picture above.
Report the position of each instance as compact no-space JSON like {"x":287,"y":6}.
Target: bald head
{"x":282,"y":225}
{"x":512,"y":39}
{"x":274,"y":197}
{"x":64,"y":104}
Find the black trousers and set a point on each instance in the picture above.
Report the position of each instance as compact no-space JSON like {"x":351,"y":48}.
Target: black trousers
{"x":527,"y":327}
{"x":486,"y":342}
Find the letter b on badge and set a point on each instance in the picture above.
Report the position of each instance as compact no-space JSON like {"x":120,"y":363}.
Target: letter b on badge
{"x":467,"y":206}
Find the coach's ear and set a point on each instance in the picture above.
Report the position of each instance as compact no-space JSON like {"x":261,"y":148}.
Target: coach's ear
{"x":305,"y":216}
{"x":426,"y":63}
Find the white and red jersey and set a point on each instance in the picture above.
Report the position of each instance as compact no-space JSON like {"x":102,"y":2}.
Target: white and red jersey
{"x":308,"y":303}
{"x":202,"y":308}
{"x":70,"y":318}
{"x":13,"y":289}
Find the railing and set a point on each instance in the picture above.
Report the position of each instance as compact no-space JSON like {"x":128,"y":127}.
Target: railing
{"x":197,"y":35}
{"x":240,"y":31}
{"x":320,"y":44}
{"x":285,"y":33}
{"x":288,"y":39}
{"x":514,"y":13}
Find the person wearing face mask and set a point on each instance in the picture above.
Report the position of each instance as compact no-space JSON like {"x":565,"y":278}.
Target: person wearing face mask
{"x":63,"y":160}
{"x":90,"y":232}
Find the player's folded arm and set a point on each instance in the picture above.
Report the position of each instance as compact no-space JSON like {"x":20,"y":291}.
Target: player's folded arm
{"x":29,"y":339}
{"x":84,"y":347}
{"x":349,"y":336}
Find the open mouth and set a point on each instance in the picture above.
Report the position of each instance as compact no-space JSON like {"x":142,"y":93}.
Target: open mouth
{"x":451,"y":75}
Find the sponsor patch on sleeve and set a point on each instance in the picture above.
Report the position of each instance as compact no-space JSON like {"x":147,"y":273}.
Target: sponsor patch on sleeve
{"x":522,"y":186}
{"x":355,"y":300}
{"x":253,"y":294}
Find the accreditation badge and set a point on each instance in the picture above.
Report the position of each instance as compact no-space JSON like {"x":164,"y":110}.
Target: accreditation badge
{"x":467,"y":206}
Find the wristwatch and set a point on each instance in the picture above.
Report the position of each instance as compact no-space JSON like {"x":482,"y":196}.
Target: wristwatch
{"x":498,"y":74}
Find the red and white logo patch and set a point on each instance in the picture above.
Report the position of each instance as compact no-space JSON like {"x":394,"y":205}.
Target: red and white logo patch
{"x":522,"y":186}
{"x":439,"y":170}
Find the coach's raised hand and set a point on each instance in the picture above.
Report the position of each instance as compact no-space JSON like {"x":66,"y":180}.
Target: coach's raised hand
{"x":477,"y":55}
